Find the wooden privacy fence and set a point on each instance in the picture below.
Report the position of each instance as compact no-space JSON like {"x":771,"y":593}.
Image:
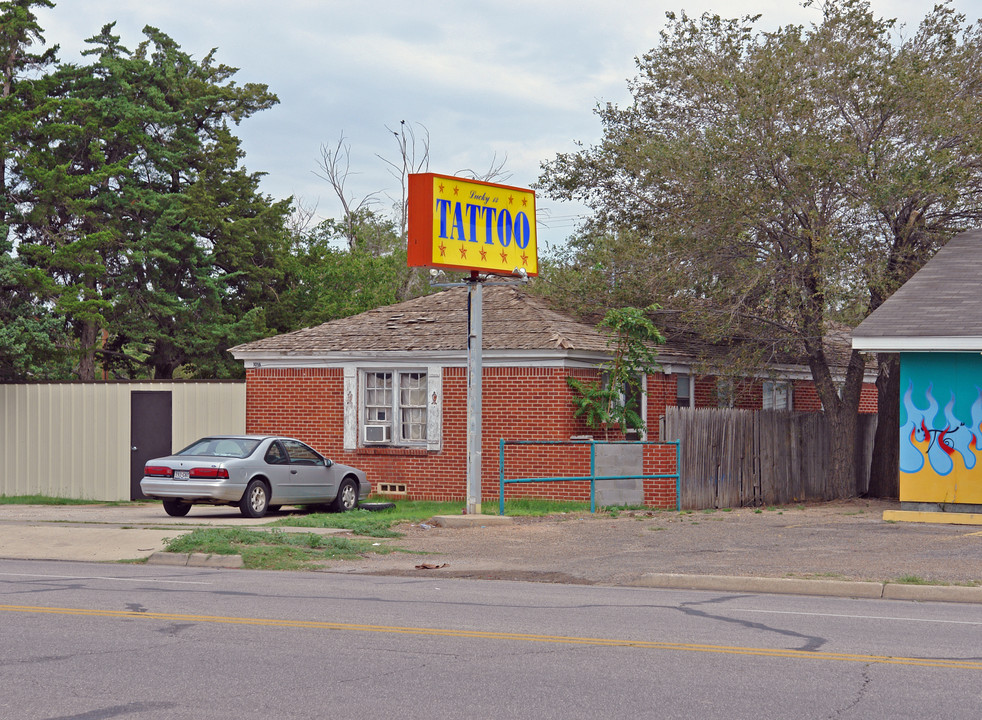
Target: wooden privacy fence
{"x":737,"y":458}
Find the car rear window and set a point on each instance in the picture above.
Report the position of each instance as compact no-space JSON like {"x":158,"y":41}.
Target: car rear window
{"x":222,"y":447}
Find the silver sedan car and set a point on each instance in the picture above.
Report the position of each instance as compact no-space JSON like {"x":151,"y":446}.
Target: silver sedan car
{"x":255,"y":472}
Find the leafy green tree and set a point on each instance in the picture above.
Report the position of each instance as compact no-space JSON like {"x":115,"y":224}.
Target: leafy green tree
{"x":784,"y":182}
{"x":343,"y":268}
{"x":140,"y":223}
{"x":613,"y":398}
{"x":32,"y":338}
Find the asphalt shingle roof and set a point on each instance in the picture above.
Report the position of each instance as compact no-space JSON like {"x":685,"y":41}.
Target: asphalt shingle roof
{"x":939,"y":308}
{"x":513,"y":320}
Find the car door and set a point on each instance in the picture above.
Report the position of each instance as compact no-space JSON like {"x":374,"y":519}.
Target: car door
{"x":276,"y":466}
{"x":309,"y":473}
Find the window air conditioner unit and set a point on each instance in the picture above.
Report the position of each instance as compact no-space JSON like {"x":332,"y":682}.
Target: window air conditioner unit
{"x":378,"y":433}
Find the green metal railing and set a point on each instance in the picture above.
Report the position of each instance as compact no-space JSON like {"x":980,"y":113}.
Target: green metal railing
{"x":592,"y":477}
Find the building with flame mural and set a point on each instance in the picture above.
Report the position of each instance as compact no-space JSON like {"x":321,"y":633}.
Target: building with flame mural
{"x":941,"y":428}
{"x":935,"y":323}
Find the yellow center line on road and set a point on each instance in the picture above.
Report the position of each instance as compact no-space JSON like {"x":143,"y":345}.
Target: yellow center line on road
{"x":520,"y":637}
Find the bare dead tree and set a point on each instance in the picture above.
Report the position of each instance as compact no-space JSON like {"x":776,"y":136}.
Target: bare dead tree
{"x":335,"y":165}
{"x":301,"y":216}
{"x":414,"y":157}
{"x":495,"y":173}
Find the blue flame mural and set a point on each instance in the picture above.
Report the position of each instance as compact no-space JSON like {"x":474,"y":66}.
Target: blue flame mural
{"x":940,"y":446}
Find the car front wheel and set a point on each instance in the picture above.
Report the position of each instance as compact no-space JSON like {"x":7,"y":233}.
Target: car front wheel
{"x":347,"y":496}
{"x":176,"y":508}
{"x":255,"y":500}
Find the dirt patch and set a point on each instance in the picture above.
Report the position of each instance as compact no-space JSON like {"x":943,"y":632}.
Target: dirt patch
{"x":839,"y":540}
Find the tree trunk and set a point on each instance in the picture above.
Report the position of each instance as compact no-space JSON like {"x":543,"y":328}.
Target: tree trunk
{"x":843,"y":424}
{"x":842,"y":414}
{"x":165,"y":359}
{"x":86,"y":363}
{"x":884,"y":478}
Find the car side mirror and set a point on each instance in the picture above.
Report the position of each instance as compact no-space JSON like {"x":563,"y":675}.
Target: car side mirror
{"x":328,"y":462}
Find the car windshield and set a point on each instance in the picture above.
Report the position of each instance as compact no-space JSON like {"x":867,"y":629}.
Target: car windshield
{"x":222,"y":447}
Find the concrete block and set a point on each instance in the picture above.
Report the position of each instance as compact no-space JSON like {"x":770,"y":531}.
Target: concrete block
{"x":470,"y":521}
{"x":219,"y":561}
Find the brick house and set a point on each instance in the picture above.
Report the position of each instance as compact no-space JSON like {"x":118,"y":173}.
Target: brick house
{"x":386,"y":391}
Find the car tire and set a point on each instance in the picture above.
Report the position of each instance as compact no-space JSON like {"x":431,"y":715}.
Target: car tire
{"x":176,"y":508}
{"x":255,"y":500}
{"x":347,"y":497}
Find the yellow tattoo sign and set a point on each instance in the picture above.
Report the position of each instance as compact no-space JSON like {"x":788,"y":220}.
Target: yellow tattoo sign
{"x":469,"y":225}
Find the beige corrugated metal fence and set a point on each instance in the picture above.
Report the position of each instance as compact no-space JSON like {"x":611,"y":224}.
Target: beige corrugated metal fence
{"x":73,"y":439}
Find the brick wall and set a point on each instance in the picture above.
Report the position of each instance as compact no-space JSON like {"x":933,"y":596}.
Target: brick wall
{"x":519,"y":404}
{"x":747,"y":395}
{"x":806,"y":397}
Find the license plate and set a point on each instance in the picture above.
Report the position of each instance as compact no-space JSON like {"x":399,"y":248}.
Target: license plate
{"x":181,"y":474}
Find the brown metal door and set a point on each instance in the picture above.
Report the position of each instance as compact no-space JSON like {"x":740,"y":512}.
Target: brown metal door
{"x":150,"y":432}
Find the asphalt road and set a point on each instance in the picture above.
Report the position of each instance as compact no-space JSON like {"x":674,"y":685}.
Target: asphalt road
{"x":94,"y":642}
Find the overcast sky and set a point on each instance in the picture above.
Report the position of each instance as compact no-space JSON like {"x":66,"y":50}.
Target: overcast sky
{"x":515,"y":78}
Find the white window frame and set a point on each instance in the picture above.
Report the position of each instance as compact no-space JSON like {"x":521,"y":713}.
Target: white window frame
{"x":777,"y":395}
{"x":394,"y":408}
{"x":690,"y":381}
{"x":726,"y":391}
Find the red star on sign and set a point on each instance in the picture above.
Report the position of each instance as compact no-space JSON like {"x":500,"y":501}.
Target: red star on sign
{"x":504,"y":256}
{"x":455,"y":190}
{"x":511,"y":200}
{"x":484,"y":254}
{"x":525,"y":259}
{"x":443,"y":250}
{"x":440,"y":186}
{"x":525,"y":202}
{"x":463,"y":252}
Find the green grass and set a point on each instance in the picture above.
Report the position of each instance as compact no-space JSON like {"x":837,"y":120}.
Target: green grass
{"x":43,"y":500}
{"x":913,"y":580}
{"x":272,"y":550}
{"x":281,"y":550}
{"x":378,"y":523}
{"x":359,"y":522}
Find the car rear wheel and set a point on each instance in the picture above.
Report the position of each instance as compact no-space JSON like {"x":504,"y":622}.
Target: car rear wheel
{"x":255,"y":500}
{"x":347,"y":496}
{"x":176,"y":508}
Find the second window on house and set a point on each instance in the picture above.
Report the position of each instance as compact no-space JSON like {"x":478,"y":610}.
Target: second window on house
{"x":394,"y":407}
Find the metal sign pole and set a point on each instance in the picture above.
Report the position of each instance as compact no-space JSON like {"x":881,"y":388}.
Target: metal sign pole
{"x":475,"y":369}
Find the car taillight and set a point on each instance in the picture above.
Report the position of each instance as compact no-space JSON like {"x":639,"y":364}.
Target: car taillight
{"x":210,"y":473}
{"x":158,"y":471}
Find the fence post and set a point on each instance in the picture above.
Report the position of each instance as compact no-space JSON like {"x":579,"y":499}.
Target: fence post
{"x":593,"y":476}
{"x":678,"y":476}
{"x":501,"y":476}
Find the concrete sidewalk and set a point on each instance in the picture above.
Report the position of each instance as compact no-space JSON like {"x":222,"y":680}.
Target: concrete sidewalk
{"x":106,"y":533}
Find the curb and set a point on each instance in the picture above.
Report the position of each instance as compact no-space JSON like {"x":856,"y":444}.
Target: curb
{"x":825,"y":588}
{"x":195,"y":560}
